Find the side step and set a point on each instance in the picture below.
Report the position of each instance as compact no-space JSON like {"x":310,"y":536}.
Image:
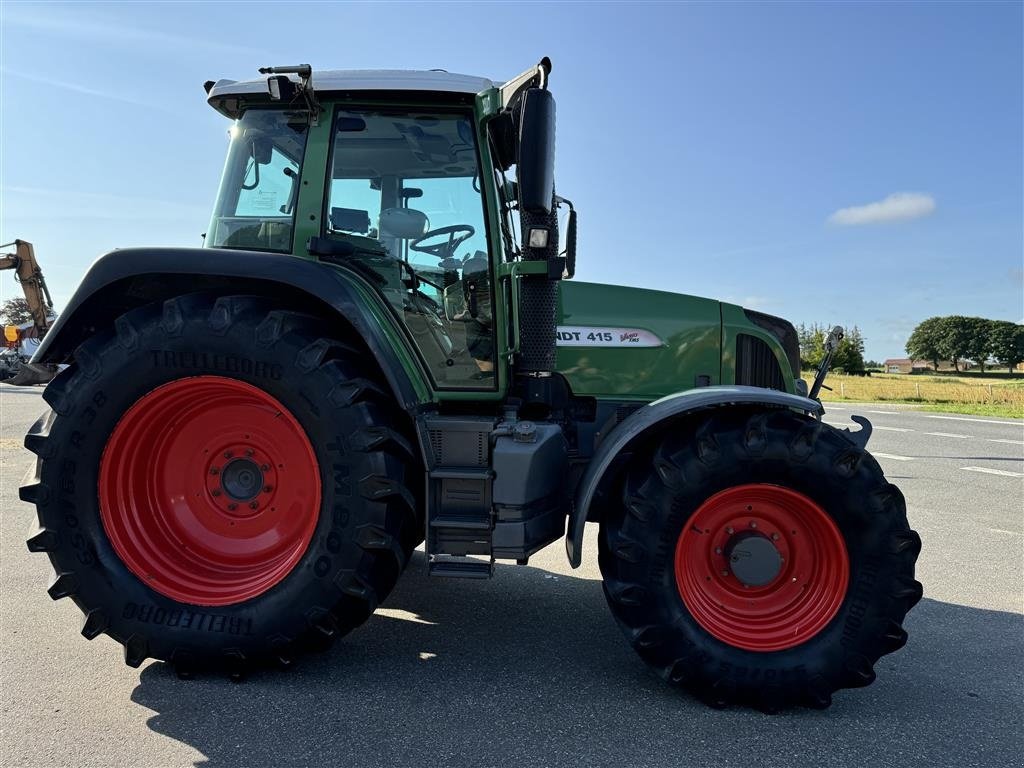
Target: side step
{"x":460,"y":520}
{"x":460,"y":567}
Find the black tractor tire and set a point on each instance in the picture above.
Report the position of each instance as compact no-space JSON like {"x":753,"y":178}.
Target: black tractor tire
{"x":665,"y":484}
{"x":360,"y":535}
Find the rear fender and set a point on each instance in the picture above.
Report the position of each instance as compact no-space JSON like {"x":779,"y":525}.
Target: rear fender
{"x":127,"y":278}
{"x":646,"y":422}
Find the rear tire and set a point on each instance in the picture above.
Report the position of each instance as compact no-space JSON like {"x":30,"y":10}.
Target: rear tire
{"x":835,"y":591}
{"x":178,"y":580}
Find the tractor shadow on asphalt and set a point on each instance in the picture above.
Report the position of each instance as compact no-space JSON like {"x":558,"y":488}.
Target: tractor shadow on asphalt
{"x":530,"y":669}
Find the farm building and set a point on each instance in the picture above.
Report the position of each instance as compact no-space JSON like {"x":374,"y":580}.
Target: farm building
{"x":906,"y":365}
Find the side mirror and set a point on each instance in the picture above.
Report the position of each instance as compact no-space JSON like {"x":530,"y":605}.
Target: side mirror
{"x":535,"y":169}
{"x":262,"y":150}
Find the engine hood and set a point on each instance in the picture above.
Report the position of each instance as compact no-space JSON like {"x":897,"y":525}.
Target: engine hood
{"x":636,"y":343}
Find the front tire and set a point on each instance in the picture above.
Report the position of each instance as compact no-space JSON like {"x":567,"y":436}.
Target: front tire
{"x":760,"y":558}
{"x":221,"y":484}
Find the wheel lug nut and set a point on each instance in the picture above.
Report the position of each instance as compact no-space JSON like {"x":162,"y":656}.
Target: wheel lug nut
{"x":753,"y":524}
{"x":232,"y":506}
{"x":249,"y":451}
{"x":264,"y":467}
{"x":214,"y":471}
{"x":215,"y":491}
{"x":725,"y":572}
{"x":253,"y":505}
{"x":775,"y":537}
{"x":729,"y":529}
{"x":268,"y":488}
{"x":227,"y":454}
{"x":718,"y":550}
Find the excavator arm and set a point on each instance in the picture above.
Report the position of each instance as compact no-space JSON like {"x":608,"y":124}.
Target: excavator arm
{"x":40,"y":305}
{"x":30,"y":276}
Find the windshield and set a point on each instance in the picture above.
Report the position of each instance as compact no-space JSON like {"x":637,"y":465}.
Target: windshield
{"x":404,"y":190}
{"x":256,"y":205}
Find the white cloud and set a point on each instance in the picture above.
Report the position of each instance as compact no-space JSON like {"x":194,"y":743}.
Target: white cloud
{"x":896,"y":207}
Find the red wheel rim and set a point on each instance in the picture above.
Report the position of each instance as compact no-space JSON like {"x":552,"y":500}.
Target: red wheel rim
{"x":796,"y":603}
{"x":209,"y":490}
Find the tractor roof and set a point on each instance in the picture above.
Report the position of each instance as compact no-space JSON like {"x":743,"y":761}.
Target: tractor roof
{"x":226,"y":96}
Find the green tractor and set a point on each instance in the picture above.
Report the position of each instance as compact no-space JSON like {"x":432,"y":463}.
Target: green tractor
{"x":380,"y":344}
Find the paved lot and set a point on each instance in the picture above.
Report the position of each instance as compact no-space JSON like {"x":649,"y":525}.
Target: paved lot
{"x":529,"y":669}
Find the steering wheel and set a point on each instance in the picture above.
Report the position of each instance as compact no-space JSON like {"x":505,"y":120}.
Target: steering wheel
{"x":457,"y":235}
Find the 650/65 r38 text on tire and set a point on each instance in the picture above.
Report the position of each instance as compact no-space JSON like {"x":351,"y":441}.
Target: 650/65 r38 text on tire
{"x":221,"y":484}
{"x":760,"y":558}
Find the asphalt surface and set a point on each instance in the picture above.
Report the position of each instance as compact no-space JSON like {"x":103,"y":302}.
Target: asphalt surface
{"x":529,"y":668}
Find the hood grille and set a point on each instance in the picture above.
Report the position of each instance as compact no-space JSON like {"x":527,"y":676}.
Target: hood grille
{"x":756,"y":365}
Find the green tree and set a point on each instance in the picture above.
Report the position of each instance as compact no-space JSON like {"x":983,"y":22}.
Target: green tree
{"x":955,"y":342}
{"x":926,"y":341}
{"x":15,"y":311}
{"x":812,"y":344}
{"x":979,"y":340}
{"x":1007,"y":343}
{"x":850,"y":354}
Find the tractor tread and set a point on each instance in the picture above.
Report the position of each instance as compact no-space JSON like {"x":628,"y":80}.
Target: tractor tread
{"x":64,"y":584}
{"x":136,"y":650}
{"x":355,"y":572}
{"x":42,"y":539}
{"x":661,"y":486}
{"x":94,"y":623}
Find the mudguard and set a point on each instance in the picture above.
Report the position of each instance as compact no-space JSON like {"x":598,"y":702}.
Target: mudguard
{"x":652,"y":417}
{"x":129,"y":277}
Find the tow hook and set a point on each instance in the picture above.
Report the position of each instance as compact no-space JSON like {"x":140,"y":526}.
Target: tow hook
{"x":861,"y":436}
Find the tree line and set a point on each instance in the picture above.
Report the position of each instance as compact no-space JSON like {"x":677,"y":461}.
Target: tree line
{"x":15,"y":311}
{"x":849,"y":356}
{"x":956,"y":338}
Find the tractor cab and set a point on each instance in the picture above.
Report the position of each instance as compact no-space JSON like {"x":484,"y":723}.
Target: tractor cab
{"x":398,"y":176}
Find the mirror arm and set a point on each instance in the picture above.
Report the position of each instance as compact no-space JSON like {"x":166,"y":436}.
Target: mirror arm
{"x":534,"y":77}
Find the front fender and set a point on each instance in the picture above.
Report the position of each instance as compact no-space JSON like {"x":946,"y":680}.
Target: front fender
{"x":130,"y":277}
{"x":645,"y":422}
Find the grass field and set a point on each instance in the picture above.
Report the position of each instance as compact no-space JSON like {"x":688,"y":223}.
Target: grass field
{"x":973,"y":394}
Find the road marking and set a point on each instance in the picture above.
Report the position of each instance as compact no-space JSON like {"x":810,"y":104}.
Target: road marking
{"x":892,"y":429}
{"x":891,"y":456}
{"x":1000,"y":530}
{"x":1000,"y":440}
{"x":987,"y":471}
{"x":883,"y":413}
{"x":948,"y":434}
{"x":981,"y":421}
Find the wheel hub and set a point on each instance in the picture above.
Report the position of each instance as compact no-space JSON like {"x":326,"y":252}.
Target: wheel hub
{"x":241,"y":479}
{"x":753,"y":559}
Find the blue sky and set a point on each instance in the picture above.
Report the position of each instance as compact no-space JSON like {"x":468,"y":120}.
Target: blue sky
{"x":710,"y":148}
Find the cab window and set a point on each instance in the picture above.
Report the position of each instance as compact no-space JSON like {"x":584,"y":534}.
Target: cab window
{"x":405,"y":193}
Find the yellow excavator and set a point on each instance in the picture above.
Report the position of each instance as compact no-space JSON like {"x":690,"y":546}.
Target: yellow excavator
{"x":14,"y":365}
